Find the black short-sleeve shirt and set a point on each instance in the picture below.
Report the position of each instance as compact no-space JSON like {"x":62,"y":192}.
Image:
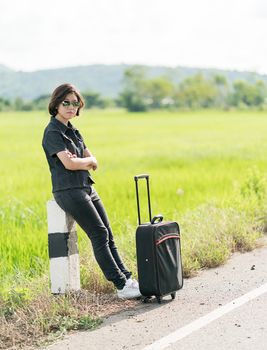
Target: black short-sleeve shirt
{"x":59,"y":137}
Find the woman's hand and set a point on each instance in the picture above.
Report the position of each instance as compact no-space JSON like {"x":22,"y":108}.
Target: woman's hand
{"x":94,"y":163}
{"x":88,"y":153}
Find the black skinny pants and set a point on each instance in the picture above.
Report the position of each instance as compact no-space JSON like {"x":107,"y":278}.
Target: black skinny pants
{"x":85,"y":206}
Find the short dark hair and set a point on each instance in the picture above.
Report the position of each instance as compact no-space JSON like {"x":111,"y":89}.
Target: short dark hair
{"x":59,"y":94}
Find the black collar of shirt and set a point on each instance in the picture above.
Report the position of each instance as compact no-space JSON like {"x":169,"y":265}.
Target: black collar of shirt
{"x":62,"y":127}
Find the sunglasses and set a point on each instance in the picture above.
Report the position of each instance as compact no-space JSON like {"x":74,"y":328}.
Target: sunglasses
{"x":68,"y":103}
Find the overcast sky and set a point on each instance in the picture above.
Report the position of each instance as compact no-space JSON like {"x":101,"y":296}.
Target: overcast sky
{"x":227,"y":34}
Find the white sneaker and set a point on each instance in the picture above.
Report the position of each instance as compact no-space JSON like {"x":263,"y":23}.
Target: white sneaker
{"x":130,"y":290}
{"x":134,"y":283}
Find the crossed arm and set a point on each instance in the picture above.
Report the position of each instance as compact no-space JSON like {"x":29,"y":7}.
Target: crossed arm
{"x":72,"y":162}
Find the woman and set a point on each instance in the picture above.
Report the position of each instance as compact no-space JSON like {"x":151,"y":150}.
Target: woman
{"x":70,"y":161}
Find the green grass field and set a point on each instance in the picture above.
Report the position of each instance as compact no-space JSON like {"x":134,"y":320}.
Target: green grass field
{"x":199,"y":162}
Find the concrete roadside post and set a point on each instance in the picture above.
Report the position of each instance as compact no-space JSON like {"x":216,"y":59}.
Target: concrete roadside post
{"x":63,"y":250}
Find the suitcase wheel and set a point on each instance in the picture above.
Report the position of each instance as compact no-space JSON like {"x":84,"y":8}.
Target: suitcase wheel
{"x":159,"y":299}
{"x":173,"y":295}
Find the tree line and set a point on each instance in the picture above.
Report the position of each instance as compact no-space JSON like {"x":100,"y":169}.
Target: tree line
{"x":141,"y":93}
{"x":92,"y":99}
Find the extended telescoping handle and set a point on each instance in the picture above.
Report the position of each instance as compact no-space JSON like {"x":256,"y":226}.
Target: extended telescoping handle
{"x":136,"y":178}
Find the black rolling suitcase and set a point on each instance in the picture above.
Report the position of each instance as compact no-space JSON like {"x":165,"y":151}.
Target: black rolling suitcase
{"x":158,"y":251}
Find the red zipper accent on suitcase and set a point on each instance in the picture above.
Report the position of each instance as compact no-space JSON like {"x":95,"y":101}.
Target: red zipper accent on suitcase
{"x":168,"y":236}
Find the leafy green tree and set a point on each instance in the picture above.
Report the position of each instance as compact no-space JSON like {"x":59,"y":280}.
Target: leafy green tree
{"x":222,"y":87}
{"x":134,"y":96}
{"x":18,"y":103}
{"x":4,"y":104}
{"x":196,"y":92}
{"x":160,"y":92}
{"x":27,"y":106}
{"x":94,"y":99}
{"x":251,"y":95}
{"x":41,"y":102}
{"x":21,"y":105}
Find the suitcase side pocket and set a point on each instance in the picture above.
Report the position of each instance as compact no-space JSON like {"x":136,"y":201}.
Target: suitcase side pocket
{"x":169,"y":263}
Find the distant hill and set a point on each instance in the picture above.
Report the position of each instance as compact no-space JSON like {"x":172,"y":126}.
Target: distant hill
{"x":105,"y":79}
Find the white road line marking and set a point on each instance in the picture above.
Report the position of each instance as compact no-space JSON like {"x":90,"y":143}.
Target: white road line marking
{"x":180,"y":333}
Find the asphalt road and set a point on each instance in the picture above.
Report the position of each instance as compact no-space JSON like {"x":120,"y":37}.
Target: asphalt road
{"x":243,"y":327}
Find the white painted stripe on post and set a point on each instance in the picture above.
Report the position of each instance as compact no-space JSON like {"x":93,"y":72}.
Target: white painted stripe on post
{"x":183,"y":332}
{"x":58,"y":220}
{"x":59,"y":273}
{"x":65,"y":274}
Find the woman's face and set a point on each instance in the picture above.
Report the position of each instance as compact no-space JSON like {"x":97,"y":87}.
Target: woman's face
{"x":67,"y":109}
